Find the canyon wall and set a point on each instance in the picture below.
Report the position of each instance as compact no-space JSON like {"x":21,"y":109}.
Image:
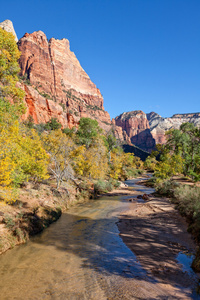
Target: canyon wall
{"x":55,"y":83}
{"x":136,"y":126}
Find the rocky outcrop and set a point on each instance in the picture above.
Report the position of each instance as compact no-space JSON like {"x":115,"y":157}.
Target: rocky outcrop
{"x":58,"y":84}
{"x":159,"y":125}
{"x":8,"y":26}
{"x":147,"y":130}
{"x":136,"y":126}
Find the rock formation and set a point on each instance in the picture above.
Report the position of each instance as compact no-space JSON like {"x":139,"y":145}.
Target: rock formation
{"x":8,"y":26}
{"x":59,"y":87}
{"x":146,"y":130}
{"x":136,"y":126}
{"x":159,"y":125}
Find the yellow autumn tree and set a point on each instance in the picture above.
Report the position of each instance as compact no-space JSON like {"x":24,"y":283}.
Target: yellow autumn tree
{"x":22,"y":157}
{"x":9,"y":67}
{"x":91,"y":162}
{"x":171,"y":164}
{"x":116,"y":163}
{"x":59,"y":146}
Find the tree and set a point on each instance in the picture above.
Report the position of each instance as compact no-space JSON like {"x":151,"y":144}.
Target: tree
{"x":93,"y":168}
{"x":88,"y":131}
{"x":9,"y":69}
{"x":60,"y":147}
{"x":186,"y":143}
{"x":169,"y":165}
{"x":22,"y":157}
{"x":53,"y":124}
{"x":110,"y":143}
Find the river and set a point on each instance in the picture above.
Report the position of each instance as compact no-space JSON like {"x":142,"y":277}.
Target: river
{"x":81,"y":256}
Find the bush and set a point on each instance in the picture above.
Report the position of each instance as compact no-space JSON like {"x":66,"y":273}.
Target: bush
{"x":115,"y":183}
{"x":102,"y":187}
{"x":53,"y":124}
{"x":166,"y":187}
{"x":188,"y":202}
{"x":130,"y":172}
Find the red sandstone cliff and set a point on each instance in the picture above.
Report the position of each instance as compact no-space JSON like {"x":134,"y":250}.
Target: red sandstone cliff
{"x":59,"y":87}
{"x":136,"y":125}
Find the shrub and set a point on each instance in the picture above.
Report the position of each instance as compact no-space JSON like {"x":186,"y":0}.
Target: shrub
{"x":69,"y":132}
{"x":166,"y":187}
{"x":130,"y":172}
{"x":63,"y":106}
{"x":102,"y":187}
{"x":45,"y":95}
{"x":29,"y":122}
{"x":53,"y":124}
{"x":115,"y":183}
{"x":188,"y":199}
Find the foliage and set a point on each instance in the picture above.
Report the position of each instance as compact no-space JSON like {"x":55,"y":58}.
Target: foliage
{"x":123,"y":165}
{"x":60,"y":148}
{"x":9,"y":69}
{"x":151,"y":161}
{"x":88,"y":131}
{"x":69,"y":132}
{"x":102,"y":186}
{"x":8,"y":113}
{"x":188,"y":202}
{"x":186,"y":143}
{"x":52,"y":124}
{"x":29,"y":122}
{"x":87,"y":167}
{"x":165,"y":187}
{"x":168,"y":166}
{"x":22,"y":157}
{"x":111,"y":143}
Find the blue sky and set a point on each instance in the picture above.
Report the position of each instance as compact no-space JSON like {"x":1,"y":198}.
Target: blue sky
{"x":141,"y":54}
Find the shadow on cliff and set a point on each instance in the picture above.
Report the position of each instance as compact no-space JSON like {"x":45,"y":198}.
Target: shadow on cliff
{"x":144,"y":140}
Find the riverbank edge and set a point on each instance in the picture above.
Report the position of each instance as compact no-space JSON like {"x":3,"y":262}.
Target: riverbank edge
{"x":196,"y":261}
{"x":126,"y":220}
{"x":37,"y":207}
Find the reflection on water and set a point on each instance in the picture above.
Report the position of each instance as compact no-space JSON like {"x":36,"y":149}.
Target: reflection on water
{"x":185,"y":259}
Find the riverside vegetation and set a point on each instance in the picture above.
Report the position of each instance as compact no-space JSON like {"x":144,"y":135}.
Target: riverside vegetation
{"x":177,"y":175}
{"x":43,"y":168}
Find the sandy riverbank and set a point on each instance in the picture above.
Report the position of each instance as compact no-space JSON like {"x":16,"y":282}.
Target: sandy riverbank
{"x":157,"y":234}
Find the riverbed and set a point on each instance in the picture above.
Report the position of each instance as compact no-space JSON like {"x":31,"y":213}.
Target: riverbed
{"x":82,"y":256}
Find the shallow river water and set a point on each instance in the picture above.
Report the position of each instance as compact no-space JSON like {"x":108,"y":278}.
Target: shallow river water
{"x":81,"y":256}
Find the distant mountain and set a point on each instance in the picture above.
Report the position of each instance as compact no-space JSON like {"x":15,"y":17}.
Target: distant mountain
{"x":147,"y":130}
{"x":159,"y":125}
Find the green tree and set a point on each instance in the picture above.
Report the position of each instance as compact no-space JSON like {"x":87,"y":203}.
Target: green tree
{"x":186,"y":143}
{"x":88,"y":131}
{"x":111,"y":143}
{"x":53,"y":124}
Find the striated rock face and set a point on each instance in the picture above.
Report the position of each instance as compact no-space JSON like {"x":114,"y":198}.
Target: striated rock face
{"x":136,"y":126}
{"x":57,"y":78}
{"x":8,"y":26}
{"x":159,"y":125}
